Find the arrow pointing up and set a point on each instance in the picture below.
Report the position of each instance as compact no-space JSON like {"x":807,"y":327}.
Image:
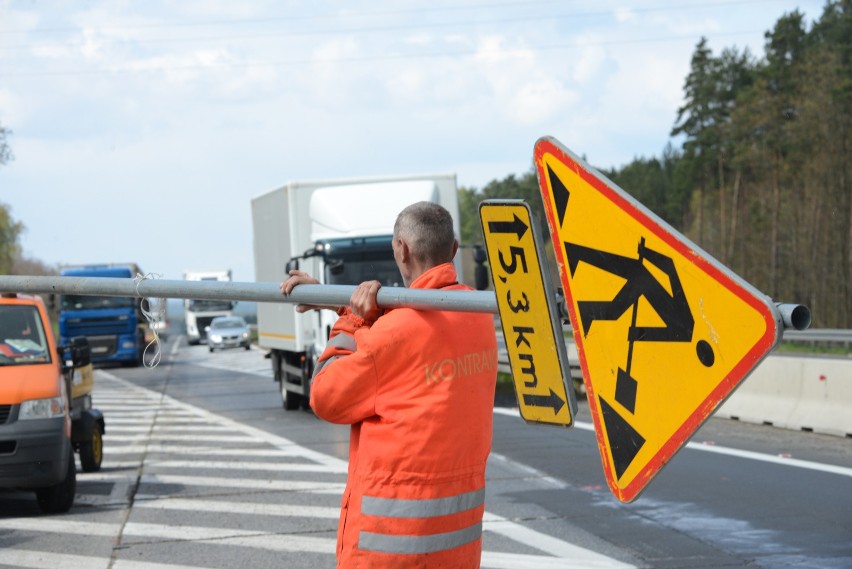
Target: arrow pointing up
{"x":553,"y":400}
{"x":516,"y":226}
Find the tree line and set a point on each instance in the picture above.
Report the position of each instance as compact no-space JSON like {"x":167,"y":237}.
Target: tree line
{"x":758,"y":171}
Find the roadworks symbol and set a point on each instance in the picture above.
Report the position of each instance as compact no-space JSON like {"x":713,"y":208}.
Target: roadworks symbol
{"x":663,"y":333}
{"x":670,"y":305}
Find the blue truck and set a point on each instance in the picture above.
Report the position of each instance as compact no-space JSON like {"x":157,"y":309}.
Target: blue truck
{"x":114,"y":326}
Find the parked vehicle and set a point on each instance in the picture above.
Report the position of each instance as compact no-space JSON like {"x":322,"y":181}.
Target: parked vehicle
{"x":228,"y":332}
{"x":45,"y":406}
{"x":198,"y":314}
{"x":340,"y":232}
{"x":115,"y":327}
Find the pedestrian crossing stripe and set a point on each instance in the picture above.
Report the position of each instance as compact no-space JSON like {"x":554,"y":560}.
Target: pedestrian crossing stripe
{"x":663,"y":331}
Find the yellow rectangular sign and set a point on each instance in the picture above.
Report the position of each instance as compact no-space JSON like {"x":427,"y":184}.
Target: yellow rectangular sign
{"x":531,"y":325}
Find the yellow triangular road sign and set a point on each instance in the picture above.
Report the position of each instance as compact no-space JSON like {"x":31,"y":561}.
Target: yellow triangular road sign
{"x":663,"y":331}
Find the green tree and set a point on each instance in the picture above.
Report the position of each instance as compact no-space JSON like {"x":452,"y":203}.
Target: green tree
{"x":695,"y":121}
{"x":711,"y":91}
{"x":652,"y":182}
{"x":523,"y":187}
{"x":5,"y":150}
{"x":10,"y":230}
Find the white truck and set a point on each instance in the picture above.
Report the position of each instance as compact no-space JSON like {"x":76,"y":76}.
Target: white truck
{"x":199,"y":313}
{"x":338,"y":231}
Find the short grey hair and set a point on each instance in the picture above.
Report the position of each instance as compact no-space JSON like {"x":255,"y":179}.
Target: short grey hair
{"x":428,"y":229}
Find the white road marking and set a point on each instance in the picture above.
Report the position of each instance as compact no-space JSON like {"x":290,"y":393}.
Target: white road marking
{"x":244,"y":466}
{"x":759,"y":456}
{"x":204,"y":451}
{"x":251,"y":508}
{"x":246,"y":483}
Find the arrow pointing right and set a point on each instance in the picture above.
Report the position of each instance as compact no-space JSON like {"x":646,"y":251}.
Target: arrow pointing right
{"x":516,"y":226}
{"x":553,"y":400}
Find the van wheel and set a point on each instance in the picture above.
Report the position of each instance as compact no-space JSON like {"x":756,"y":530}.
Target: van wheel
{"x":92,"y":452}
{"x":59,"y":498}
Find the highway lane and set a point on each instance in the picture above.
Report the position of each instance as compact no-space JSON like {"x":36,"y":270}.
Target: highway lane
{"x":204,"y":468}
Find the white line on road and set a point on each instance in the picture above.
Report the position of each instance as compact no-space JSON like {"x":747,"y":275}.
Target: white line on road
{"x":246,"y":483}
{"x":203,"y":451}
{"x":199,"y":438}
{"x":751,"y":455}
{"x":554,"y":546}
{"x":251,"y":508}
{"x":243,"y":466}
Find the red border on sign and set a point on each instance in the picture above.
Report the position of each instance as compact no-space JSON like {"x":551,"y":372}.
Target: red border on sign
{"x":723,"y":389}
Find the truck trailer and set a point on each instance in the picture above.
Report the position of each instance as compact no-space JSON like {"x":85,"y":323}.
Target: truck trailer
{"x":198,"y":314}
{"x":114,"y":325}
{"x":340,"y":232}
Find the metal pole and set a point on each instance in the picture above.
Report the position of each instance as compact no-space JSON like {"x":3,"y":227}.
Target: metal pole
{"x":336,"y":295}
{"x":793,"y":316}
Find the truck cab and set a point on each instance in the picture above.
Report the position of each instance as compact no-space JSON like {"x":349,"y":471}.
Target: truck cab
{"x":114,"y":326}
{"x":37,"y":438}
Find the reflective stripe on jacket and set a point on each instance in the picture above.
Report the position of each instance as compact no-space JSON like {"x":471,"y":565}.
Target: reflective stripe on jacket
{"x":418,"y":389}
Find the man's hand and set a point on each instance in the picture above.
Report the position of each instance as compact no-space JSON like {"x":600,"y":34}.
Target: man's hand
{"x":297,"y":278}
{"x":363,"y":301}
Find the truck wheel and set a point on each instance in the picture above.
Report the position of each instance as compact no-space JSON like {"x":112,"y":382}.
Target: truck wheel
{"x":292,"y":400}
{"x":59,"y":498}
{"x":140,"y":353}
{"x":92,"y":452}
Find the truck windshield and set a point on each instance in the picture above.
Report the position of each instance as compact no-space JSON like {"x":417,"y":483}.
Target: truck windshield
{"x":22,"y":337}
{"x":209,"y":305}
{"x":353,"y":261}
{"x":80,"y":302}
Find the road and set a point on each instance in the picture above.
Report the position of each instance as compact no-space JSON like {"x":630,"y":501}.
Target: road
{"x":204,"y":469}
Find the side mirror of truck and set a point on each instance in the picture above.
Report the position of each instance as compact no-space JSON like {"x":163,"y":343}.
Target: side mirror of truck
{"x":292,"y":265}
{"x":480,"y":272}
{"x":81,"y":353}
{"x":335,"y":266}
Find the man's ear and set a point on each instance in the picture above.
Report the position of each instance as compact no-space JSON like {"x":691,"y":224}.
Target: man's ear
{"x":404,"y":250}
{"x":455,"y":249}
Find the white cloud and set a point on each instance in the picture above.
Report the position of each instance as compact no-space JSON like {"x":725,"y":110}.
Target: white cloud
{"x":624,"y":14}
{"x":525,"y":90}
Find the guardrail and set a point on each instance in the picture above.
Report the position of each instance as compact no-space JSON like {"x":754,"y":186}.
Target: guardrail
{"x":803,"y":393}
{"x":820,"y":335}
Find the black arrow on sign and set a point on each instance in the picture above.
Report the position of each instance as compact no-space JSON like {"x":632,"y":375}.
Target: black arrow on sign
{"x":517,"y":226}
{"x":552,"y":400}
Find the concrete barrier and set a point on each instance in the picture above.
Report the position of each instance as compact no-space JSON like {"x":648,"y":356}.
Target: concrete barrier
{"x":795,"y":392}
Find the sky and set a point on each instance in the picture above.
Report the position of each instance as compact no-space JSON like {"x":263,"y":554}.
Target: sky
{"x":141,"y":131}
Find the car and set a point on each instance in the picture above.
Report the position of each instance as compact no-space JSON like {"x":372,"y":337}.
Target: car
{"x":228,"y":332}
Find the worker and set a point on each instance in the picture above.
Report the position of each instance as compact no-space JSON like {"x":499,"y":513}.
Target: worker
{"x":417,"y":388}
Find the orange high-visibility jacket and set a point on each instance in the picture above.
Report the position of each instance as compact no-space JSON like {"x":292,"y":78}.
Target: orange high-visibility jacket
{"x":418,"y":389}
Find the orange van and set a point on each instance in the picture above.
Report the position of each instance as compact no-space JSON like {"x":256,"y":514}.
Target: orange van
{"x":36,"y":441}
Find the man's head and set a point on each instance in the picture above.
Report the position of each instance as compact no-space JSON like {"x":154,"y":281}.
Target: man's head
{"x":423,"y":238}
